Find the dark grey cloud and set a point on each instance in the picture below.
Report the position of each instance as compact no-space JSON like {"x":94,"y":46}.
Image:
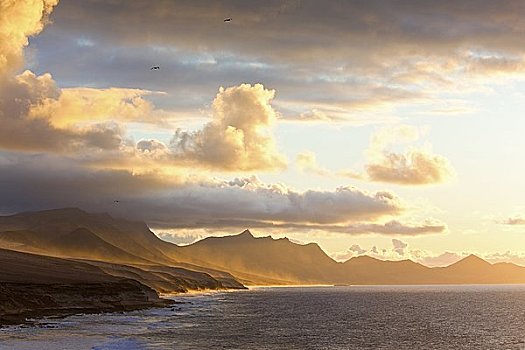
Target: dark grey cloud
{"x":337,"y":57}
{"x":300,"y":30}
{"x":42,"y":182}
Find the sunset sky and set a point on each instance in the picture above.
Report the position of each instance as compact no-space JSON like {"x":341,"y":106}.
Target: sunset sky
{"x":392,"y":128}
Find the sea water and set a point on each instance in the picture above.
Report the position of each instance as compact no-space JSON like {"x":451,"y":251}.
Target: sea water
{"x":353,"y":317}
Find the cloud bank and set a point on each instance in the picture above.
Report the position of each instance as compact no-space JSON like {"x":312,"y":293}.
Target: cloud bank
{"x":172,"y":202}
{"x":336,"y":62}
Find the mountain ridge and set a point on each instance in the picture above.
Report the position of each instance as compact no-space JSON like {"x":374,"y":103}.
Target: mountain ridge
{"x":241,"y":257}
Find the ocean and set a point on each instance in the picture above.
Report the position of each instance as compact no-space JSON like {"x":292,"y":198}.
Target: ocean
{"x":346,"y":317}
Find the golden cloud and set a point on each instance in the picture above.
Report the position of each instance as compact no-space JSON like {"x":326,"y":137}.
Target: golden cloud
{"x":415,"y":167}
{"x":307,"y":161}
{"x":412,"y":167}
{"x":240,"y":135}
{"x":20,"y":19}
{"x":87,"y":105}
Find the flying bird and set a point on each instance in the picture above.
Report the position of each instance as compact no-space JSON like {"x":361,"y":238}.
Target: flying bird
{"x":116,"y":201}
{"x":155,"y":68}
{"x":227,"y":19}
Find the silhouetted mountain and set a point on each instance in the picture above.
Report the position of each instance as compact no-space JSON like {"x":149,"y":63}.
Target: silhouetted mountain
{"x":367,"y":270}
{"x":263,"y":260}
{"x":46,"y":231}
{"x":120,"y":247}
{"x":278,"y":261}
{"x":129,"y":249}
{"x":474,"y":270}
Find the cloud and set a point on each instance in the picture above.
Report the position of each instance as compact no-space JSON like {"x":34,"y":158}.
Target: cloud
{"x":393,"y":227}
{"x":171,"y":201}
{"x":21,"y":131}
{"x":179,"y":237}
{"x":354,"y":250}
{"x":513,"y":221}
{"x":74,"y":149}
{"x":316,"y":116}
{"x":444,"y":259}
{"x":415,"y":167}
{"x":307,"y":161}
{"x":337,"y":61}
{"x":240,"y":135}
{"x":412,"y":167}
{"x":495,"y":64}
{"x":37,"y":115}
{"x":508,"y":256}
{"x":387,"y":136}
{"x":402,"y":27}
{"x":399,"y":246}
{"x":401,"y":251}
{"x":87,"y":105}
{"x":19,"y":20}
{"x":151,"y":146}
{"x":389,"y":228}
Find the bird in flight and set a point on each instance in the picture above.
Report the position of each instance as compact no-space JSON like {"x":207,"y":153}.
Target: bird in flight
{"x":227,"y":19}
{"x":155,"y":68}
{"x":115,"y":201}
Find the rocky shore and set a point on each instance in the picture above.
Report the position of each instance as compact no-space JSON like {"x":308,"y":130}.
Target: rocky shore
{"x":34,"y":286}
{"x":19,"y":301}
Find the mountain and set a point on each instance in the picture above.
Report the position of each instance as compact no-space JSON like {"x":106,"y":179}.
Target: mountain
{"x":53,"y":231}
{"x":474,"y":270}
{"x":129,"y":249}
{"x":119,"y":247}
{"x":263,"y":260}
{"x":367,"y":270}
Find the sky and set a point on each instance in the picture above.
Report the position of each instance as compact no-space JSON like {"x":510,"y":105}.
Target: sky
{"x":387,"y":128}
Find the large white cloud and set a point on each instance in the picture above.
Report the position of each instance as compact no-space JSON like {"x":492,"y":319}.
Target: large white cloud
{"x":240,"y":135}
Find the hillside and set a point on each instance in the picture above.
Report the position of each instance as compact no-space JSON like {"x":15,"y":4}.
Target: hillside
{"x":129,"y":249}
{"x":263,"y":260}
{"x":120,"y":247}
{"x":34,"y":285}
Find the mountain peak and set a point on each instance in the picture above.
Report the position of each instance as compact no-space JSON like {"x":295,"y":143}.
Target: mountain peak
{"x":471,"y":260}
{"x":246,"y":233}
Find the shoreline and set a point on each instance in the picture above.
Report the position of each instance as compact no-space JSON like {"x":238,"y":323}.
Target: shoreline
{"x":164,"y":300}
{"x":168,"y":300}
{"x":22,"y":301}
